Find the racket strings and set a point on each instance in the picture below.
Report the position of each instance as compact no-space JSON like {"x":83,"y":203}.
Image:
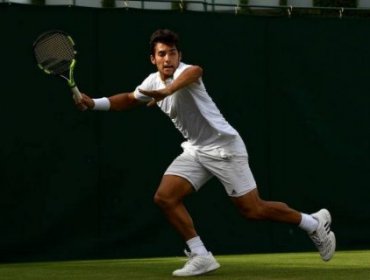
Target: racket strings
{"x":54,"y":52}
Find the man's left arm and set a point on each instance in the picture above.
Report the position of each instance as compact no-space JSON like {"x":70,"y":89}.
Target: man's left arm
{"x":188,"y":76}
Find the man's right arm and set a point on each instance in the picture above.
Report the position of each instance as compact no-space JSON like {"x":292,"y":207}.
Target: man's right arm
{"x":123,"y":101}
{"x":117,"y":102}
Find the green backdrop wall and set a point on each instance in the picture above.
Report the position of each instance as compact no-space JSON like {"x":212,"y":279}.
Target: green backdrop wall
{"x":80,"y":185}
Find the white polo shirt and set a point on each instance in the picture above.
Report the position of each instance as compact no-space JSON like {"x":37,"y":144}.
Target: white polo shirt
{"x":192,"y":111}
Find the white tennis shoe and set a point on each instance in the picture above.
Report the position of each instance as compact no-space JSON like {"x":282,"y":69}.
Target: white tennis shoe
{"x":197,"y":265}
{"x":323,"y":237}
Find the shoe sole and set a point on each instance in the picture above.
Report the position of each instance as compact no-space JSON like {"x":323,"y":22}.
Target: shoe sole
{"x":326,"y":213}
{"x":326,"y":259}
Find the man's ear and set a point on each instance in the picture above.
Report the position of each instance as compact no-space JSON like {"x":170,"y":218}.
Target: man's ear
{"x":152,"y":59}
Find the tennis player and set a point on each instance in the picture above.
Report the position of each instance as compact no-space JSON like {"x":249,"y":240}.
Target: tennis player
{"x":212,"y":147}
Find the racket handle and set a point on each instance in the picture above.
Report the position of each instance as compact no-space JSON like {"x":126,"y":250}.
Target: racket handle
{"x":77,"y":96}
{"x":76,"y":93}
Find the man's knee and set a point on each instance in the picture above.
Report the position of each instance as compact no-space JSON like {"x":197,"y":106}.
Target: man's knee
{"x":171,"y":191}
{"x":160,"y":200}
{"x":164,"y":200}
{"x":254,"y":212}
{"x":251,"y":206}
{"x":250,"y":213}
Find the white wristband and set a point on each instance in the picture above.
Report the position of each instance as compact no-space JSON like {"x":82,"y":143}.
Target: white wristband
{"x":101,"y":104}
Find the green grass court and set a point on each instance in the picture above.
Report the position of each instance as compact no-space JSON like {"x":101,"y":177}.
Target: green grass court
{"x":346,"y":265}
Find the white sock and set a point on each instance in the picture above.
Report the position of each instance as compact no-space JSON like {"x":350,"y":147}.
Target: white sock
{"x":308,"y":223}
{"x":196,"y":246}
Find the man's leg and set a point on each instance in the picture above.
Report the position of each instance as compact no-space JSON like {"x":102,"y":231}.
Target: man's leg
{"x":253,"y":207}
{"x":317,"y":225}
{"x":169,"y":197}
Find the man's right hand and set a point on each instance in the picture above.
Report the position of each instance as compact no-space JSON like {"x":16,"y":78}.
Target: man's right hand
{"x":85,"y":103}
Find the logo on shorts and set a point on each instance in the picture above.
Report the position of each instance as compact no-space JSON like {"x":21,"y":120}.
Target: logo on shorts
{"x":233,"y":192}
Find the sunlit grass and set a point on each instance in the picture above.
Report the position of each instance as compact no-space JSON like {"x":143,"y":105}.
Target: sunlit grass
{"x":346,"y":265}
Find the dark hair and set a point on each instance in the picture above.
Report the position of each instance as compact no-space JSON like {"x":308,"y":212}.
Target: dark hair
{"x":164,"y":36}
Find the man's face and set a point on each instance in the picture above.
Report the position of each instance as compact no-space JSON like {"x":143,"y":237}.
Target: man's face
{"x":166,"y":58}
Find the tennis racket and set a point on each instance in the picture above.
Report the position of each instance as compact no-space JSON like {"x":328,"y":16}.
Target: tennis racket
{"x":55,"y":54}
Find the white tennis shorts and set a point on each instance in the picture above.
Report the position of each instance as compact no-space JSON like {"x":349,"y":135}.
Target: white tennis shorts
{"x":229,"y":164}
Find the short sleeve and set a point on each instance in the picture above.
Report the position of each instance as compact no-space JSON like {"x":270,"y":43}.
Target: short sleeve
{"x":180,"y":69}
{"x":147,"y":84}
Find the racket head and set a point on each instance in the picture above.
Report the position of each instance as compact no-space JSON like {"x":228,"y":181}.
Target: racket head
{"x":55,"y":52}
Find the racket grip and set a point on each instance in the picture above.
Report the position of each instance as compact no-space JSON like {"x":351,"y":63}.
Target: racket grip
{"x":77,"y":96}
{"x":76,"y":93}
